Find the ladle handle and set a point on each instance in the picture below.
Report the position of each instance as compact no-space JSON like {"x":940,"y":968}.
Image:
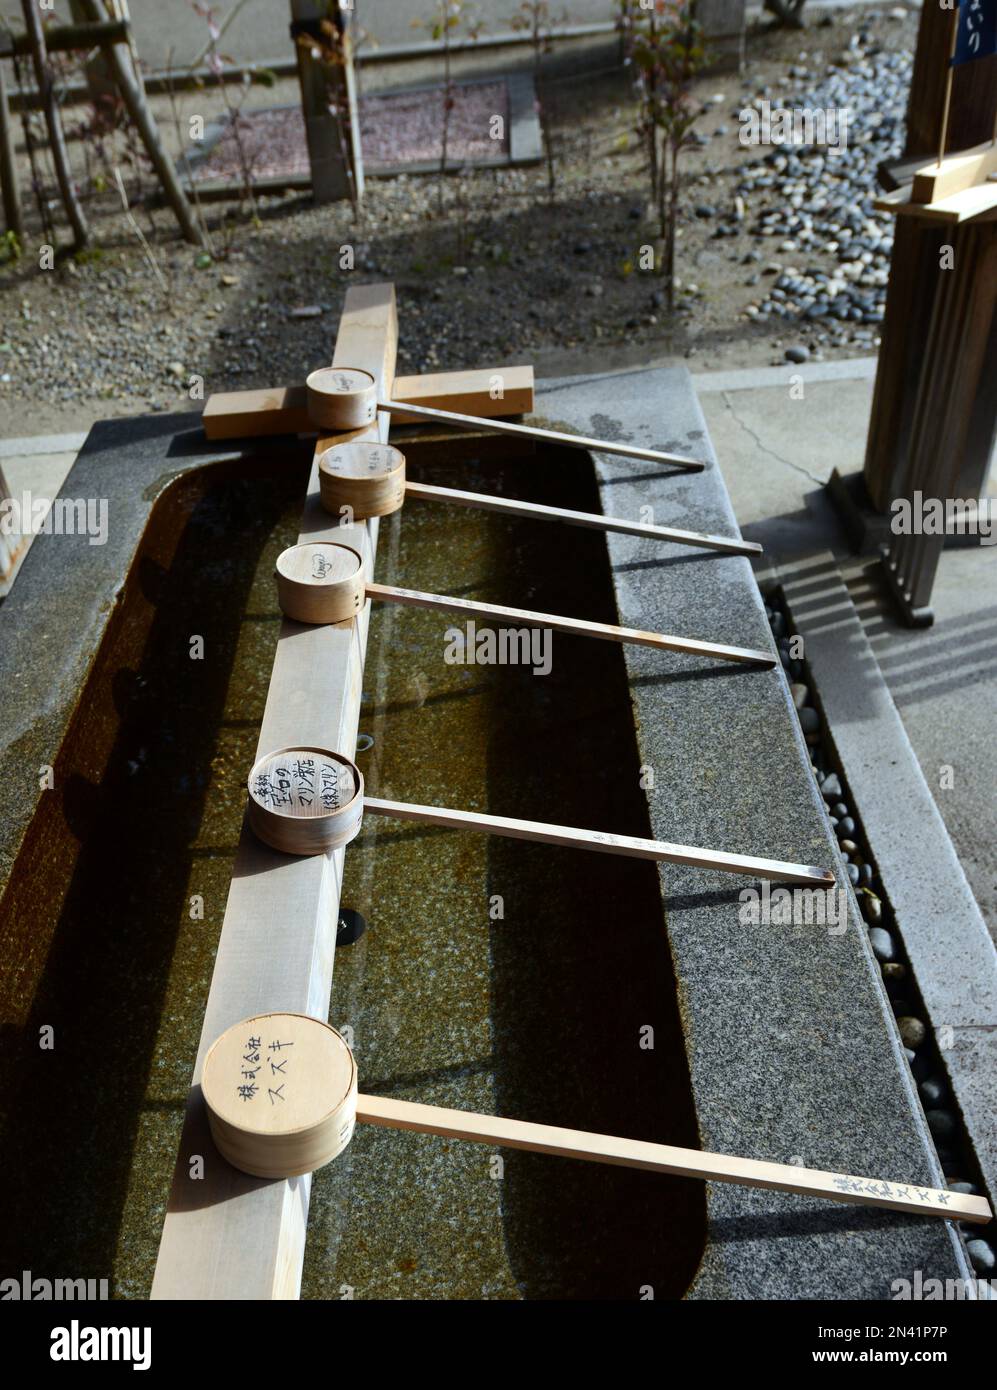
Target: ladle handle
{"x":664,"y":1158}
{"x":713,"y":651}
{"x":571,"y":441}
{"x":508,"y":506}
{"x":602,"y":842}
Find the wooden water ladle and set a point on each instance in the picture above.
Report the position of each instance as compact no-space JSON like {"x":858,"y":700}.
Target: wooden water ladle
{"x":282,"y":1100}
{"x":361,"y":478}
{"x":311,"y":800}
{"x":345,"y":398}
{"x":325,"y":582}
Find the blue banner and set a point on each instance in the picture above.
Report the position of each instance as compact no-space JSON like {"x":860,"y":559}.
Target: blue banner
{"x":977,"y":35}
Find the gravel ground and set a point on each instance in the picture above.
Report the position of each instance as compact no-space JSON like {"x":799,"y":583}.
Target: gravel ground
{"x":395,"y":128}
{"x":492,"y":272}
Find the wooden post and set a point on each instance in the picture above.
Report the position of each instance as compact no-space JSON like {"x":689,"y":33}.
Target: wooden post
{"x":333,"y":139}
{"x":919,"y":286}
{"x":99,"y":73}
{"x":129,"y":84}
{"x":13,"y":215}
{"x":57,"y":141}
{"x":973,"y":108}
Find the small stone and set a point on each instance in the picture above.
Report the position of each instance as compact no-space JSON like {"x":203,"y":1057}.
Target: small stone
{"x":846,"y":827}
{"x":981,"y":1255}
{"x":882,"y":944}
{"x":893,"y":972}
{"x":853,"y":874}
{"x":912,"y":1030}
{"x":809,"y":720}
{"x":942,"y":1123}
{"x":872,"y":906}
{"x":848,"y":847}
{"x":831,"y":788}
{"x":968,"y":1189}
{"x":797,"y":354}
{"x":800,"y":694}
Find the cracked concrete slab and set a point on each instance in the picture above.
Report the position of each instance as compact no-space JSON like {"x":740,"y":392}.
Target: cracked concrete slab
{"x":773,"y":440}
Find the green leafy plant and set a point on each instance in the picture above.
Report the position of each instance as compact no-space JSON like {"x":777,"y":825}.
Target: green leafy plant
{"x":535,"y":17}
{"x":447,"y":20}
{"x":10,"y":247}
{"x":663,"y":46}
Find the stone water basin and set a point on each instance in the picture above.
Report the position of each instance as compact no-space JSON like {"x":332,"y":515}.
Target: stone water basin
{"x":499,"y":976}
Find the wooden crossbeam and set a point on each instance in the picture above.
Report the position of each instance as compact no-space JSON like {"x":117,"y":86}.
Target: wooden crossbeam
{"x":975,"y":204}
{"x":68,"y":38}
{"x":934,"y":182}
{"x":284,"y":409}
{"x":229,"y":1236}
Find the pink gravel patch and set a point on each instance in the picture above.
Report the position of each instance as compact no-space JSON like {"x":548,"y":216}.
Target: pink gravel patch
{"x":396,"y":128}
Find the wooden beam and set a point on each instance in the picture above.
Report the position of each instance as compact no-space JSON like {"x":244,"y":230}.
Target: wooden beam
{"x":284,"y":409}
{"x":471,"y":393}
{"x":665,"y":1158}
{"x":229,"y":1236}
{"x":977,"y":203}
{"x":67,"y":38}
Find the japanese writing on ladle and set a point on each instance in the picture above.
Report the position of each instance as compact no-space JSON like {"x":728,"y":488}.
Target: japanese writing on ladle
{"x":254,"y":1060}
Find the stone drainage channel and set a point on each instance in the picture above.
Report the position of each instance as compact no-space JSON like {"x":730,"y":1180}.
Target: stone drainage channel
{"x":922,"y":1047}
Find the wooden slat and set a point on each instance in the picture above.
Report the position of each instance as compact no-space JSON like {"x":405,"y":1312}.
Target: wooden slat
{"x":665,"y":1158}
{"x":284,"y":409}
{"x":229,"y":1236}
